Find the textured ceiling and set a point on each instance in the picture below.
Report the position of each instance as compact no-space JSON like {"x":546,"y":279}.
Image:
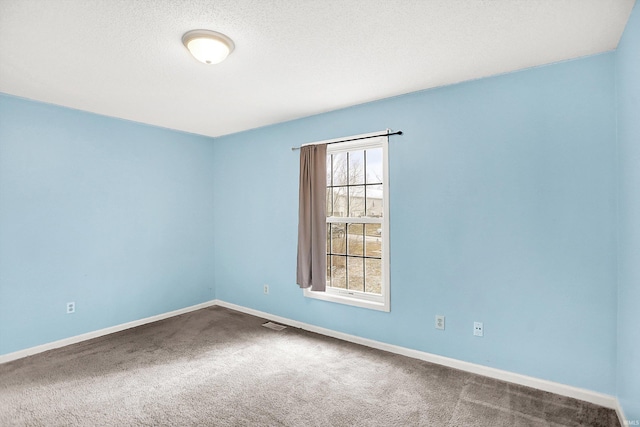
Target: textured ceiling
{"x":293,"y":58}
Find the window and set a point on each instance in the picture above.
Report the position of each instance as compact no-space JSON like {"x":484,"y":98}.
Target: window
{"x":357,"y":224}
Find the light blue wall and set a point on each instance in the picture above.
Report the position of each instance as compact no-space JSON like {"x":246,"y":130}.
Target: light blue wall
{"x":503,"y":210}
{"x":628,"y":89}
{"x":113,"y":215}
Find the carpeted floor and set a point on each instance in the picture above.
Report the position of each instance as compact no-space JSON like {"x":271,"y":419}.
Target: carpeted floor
{"x":220,"y":367}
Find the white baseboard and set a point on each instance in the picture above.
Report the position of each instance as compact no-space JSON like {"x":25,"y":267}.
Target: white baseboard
{"x":545,"y":385}
{"x":620,"y":414}
{"x":95,"y":334}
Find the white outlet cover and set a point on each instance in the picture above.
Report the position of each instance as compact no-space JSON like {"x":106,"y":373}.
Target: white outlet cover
{"x":439,"y":321}
{"x":478,"y":329}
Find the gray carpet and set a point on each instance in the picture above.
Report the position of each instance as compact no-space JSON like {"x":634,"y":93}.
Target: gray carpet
{"x":220,"y":367}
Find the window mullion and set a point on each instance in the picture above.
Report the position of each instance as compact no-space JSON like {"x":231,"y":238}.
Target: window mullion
{"x":348,"y":183}
{"x":364,"y":182}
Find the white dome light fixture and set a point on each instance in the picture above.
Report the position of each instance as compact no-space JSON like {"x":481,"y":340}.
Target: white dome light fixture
{"x":208,"y":46}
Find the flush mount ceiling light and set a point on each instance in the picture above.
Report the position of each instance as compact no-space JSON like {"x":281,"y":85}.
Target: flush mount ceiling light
{"x":208,"y":46}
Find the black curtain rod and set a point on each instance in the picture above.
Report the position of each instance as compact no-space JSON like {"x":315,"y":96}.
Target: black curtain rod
{"x":399,"y":132}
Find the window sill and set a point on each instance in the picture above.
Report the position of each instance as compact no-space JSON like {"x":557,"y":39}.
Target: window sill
{"x":349,"y":300}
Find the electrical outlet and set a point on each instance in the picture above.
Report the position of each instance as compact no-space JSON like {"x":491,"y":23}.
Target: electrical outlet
{"x":266,"y":289}
{"x":478,"y":329}
{"x":71,"y":307}
{"x":439,"y":321}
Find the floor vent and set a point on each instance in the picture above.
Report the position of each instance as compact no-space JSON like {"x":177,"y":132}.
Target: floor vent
{"x":273,"y":326}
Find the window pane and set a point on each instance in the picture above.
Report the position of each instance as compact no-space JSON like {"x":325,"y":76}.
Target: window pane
{"x":355,"y":269}
{"x":340,"y":169}
{"x":356,"y":201}
{"x":354,"y":188}
{"x":373,"y":230}
{"x":356,"y":167}
{"x":374,"y":166}
{"x":338,"y":272}
{"x":375,"y":200}
{"x":373,"y":275}
{"x":373,"y":240}
{"x":340,"y":201}
{"x":355,"y":240}
{"x":338,"y":239}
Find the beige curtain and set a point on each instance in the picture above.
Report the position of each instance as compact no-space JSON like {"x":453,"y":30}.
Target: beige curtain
{"x":312,"y":220}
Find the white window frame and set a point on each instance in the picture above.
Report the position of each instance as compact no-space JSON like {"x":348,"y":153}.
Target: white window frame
{"x":355,"y":298}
